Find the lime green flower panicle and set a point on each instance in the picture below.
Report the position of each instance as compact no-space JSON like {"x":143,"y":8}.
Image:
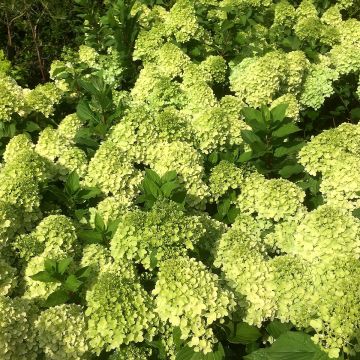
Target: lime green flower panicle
{"x":8,"y":278}
{"x":17,"y":335}
{"x":160,"y":233}
{"x":131,"y":352}
{"x":119,"y":312}
{"x":192,"y":299}
{"x":55,"y":232}
{"x":61,"y":333}
{"x":241,"y":256}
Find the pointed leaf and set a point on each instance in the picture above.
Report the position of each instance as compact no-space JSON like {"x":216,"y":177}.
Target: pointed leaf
{"x":169,"y":187}
{"x":64,"y":264}
{"x":153,"y":176}
{"x":58,"y":297}
{"x":43,"y":276}
{"x":72,"y":283}
{"x":50,"y":265}
{"x":276,"y":328}
{"x":169,"y":176}
{"x":99,"y":223}
{"x":278,"y":112}
{"x":289,"y":170}
{"x":290,"y":345}
{"x":243,"y":333}
{"x":72,"y":183}
{"x":84,"y":112}
{"x":286,"y":130}
{"x":90,"y":236}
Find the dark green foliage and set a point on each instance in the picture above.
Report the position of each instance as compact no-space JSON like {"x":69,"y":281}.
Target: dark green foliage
{"x":71,"y":196}
{"x":63,"y":273}
{"x":273,"y":142}
{"x":155,"y":187}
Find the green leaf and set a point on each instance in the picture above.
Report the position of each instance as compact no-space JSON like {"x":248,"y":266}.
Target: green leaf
{"x":254,"y":118}
{"x":169,"y":187}
{"x":356,"y":213}
{"x":90,"y":236}
{"x":72,"y":183}
{"x":179,"y":196}
{"x":290,"y":345}
{"x":250,"y":137}
{"x":89,"y":193}
{"x":242,"y":333}
{"x":187,"y":353}
{"x":32,"y":126}
{"x":151,"y":187}
{"x":50,"y":265}
{"x":276,"y":328}
{"x":58,"y":297}
{"x":355,"y":114}
{"x":245,"y":156}
{"x":43,"y":276}
{"x":84,"y":112}
{"x":286,"y":130}
{"x":289,"y":170}
{"x":232,"y":214}
{"x":151,"y":174}
{"x":278,"y":112}
{"x":287,"y":150}
{"x":99,"y":223}
{"x":63,"y":265}
{"x":177,"y":337}
{"x":169,"y":176}
{"x":213,"y":158}
{"x":72,"y":283}
{"x":223,"y":207}
{"x":83,"y":273}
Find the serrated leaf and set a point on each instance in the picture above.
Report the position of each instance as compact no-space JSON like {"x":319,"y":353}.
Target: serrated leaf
{"x":286,"y":130}
{"x":58,"y":297}
{"x":278,"y":112}
{"x":43,"y":276}
{"x":63,"y":265}
{"x":32,"y":126}
{"x":213,"y":158}
{"x":276,"y":328}
{"x":290,"y":345}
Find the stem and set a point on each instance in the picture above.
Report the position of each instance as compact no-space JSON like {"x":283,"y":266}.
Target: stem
{"x":38,"y":52}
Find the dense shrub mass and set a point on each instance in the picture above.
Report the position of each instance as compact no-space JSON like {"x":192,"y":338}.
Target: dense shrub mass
{"x":187,"y":185}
